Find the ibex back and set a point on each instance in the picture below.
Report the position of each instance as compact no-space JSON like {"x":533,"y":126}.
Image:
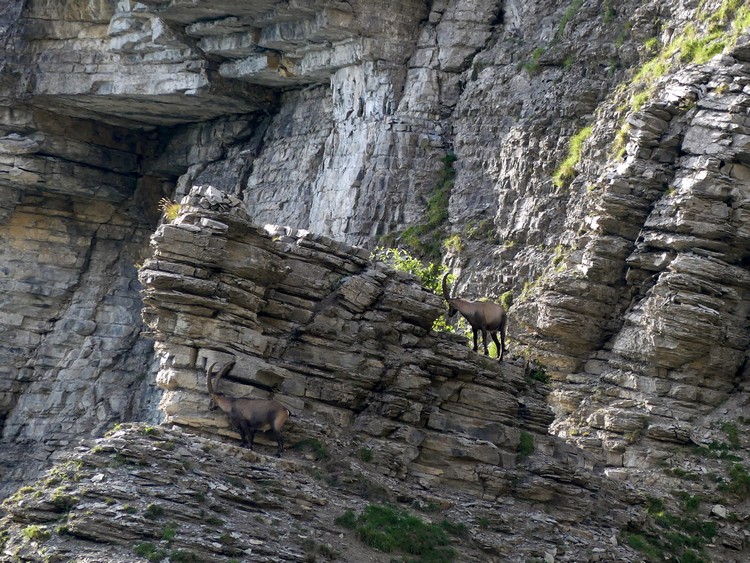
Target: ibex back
{"x":482,"y":315}
{"x":248,"y":415}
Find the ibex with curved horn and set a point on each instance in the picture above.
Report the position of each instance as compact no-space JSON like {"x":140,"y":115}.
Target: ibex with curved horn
{"x":248,"y":415}
{"x":482,"y":315}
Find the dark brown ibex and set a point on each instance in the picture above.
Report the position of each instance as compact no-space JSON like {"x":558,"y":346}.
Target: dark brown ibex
{"x":482,"y":315}
{"x":248,"y":415}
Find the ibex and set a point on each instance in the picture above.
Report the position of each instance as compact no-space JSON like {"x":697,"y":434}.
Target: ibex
{"x":482,"y":315}
{"x":248,"y":415}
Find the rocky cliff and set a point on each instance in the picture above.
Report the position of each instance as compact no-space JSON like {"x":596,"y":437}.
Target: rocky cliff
{"x":590,"y":157}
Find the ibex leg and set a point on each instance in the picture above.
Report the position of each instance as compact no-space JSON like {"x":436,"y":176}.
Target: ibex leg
{"x":279,"y":443}
{"x":500,"y":347}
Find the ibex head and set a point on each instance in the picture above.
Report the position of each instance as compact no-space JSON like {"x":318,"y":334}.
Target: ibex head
{"x":446,"y":293}
{"x":213,"y":387}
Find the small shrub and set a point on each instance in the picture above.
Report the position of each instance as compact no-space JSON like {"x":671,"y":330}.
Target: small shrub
{"x":525,"y":445}
{"x":537,"y":372}
{"x":565,"y":174}
{"x":389,"y":529}
{"x":153,"y":511}
{"x":739,"y":483}
{"x":533,"y":67}
{"x":226,"y":539}
{"x":347,"y":520}
{"x":36,"y":533}
{"x":484,"y":522}
{"x":313,"y":445}
{"x":365,"y":454}
{"x":371,"y":490}
{"x":115,"y":427}
{"x":425,"y":238}
{"x":642,"y":544}
{"x":454,"y":244}
{"x":169,"y":532}
{"x":460,"y":530}
{"x":730,"y":430}
{"x":429,"y":273}
{"x":169,"y":208}
{"x":183,"y":556}
{"x":62,"y":500}
{"x":149,"y":551}
{"x":568,"y":15}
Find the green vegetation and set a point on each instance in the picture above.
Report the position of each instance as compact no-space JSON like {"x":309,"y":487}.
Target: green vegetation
{"x":365,"y":454}
{"x":214,"y":521}
{"x":429,"y":274}
{"x":739,"y":482}
{"x":565,"y":174}
{"x":62,"y":500}
{"x":532,"y":67}
{"x":149,"y":551}
{"x":506,"y":300}
{"x":730,"y":429}
{"x":721,"y":29}
{"x":683,"y":474}
{"x":453,"y":244}
{"x":169,"y":532}
{"x":426,"y":238}
{"x":36,"y":533}
{"x":115,"y":427}
{"x":480,"y":230}
{"x":525,"y":445}
{"x":671,"y":537}
{"x":314,"y":446}
{"x":153,"y":511}
{"x":182,"y":556}
{"x":570,"y":11}
{"x":609,"y":12}
{"x":558,"y":260}
{"x":717,"y":450}
{"x":169,"y":208}
{"x":536,"y":372}
{"x":391,"y":529}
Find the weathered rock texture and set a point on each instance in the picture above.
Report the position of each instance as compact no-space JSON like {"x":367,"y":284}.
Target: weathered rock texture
{"x":335,"y":118}
{"x":164,"y":493}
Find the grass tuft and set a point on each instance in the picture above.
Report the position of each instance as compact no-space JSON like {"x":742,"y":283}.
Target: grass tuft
{"x":390,"y":529}
{"x":566,"y":172}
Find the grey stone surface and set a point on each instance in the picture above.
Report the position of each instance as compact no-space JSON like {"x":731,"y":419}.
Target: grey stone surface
{"x":630,"y":284}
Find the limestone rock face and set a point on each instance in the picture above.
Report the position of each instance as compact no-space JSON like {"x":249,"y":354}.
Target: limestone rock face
{"x":346,"y":345}
{"x":347,"y":120}
{"x":337,"y":338}
{"x":145,"y":493}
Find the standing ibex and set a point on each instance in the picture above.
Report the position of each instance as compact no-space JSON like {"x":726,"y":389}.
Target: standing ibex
{"x":248,"y":415}
{"x":482,"y":315}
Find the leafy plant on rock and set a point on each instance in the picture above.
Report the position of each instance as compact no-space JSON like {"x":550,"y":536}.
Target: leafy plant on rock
{"x":566,"y":172}
{"x":426,"y":238}
{"x":391,"y":529}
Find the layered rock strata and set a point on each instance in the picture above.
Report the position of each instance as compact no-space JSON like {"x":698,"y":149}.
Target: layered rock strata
{"x":658,"y":283}
{"x":146,"y":493}
{"x":337,"y":338}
